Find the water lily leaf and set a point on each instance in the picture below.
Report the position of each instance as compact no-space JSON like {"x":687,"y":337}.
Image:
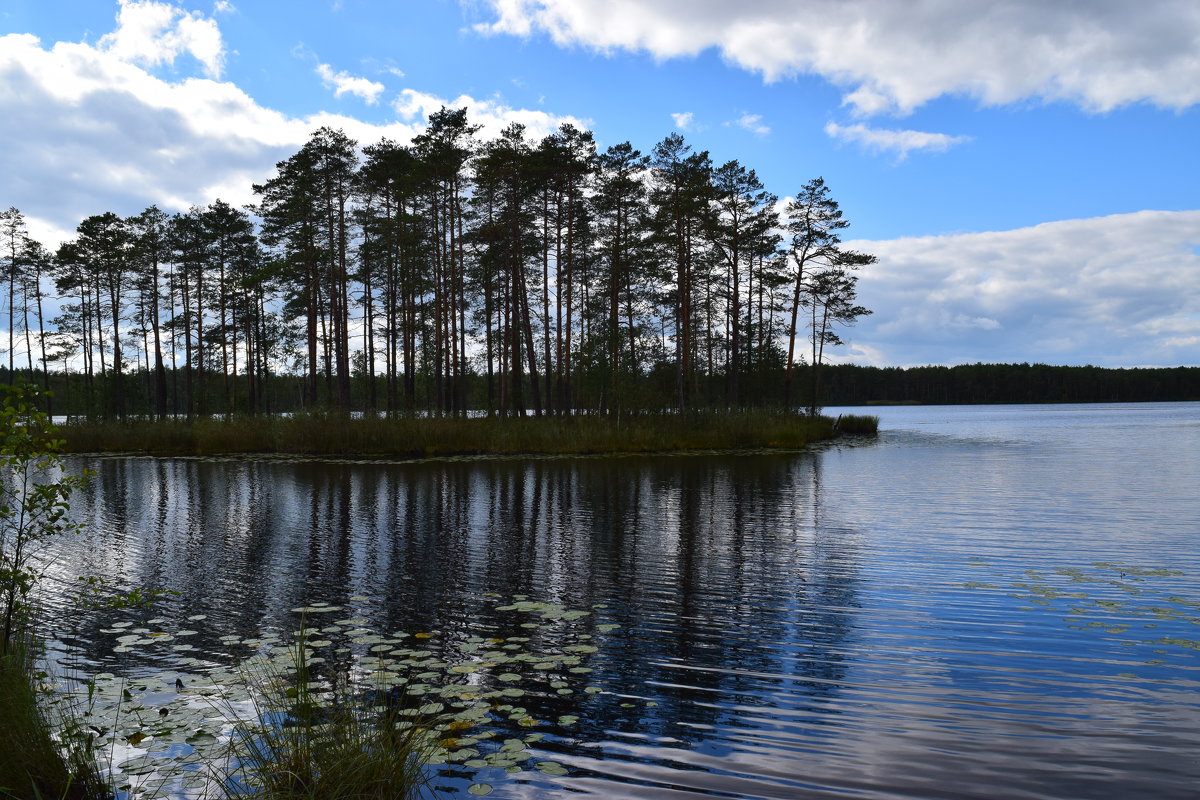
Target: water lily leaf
{"x":479,"y":789}
{"x":550,"y":768}
{"x":201,"y":738}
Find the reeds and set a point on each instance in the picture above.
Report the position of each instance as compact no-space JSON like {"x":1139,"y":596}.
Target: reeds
{"x":323,"y":740}
{"x":34,"y":763}
{"x":857,"y":425}
{"x":418,"y":437}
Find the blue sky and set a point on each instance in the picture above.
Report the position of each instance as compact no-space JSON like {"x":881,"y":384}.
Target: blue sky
{"x":1026,"y":172}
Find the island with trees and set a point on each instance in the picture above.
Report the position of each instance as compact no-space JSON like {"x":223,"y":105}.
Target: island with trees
{"x":449,"y":278}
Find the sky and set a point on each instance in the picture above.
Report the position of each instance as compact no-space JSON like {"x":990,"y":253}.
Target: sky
{"x":1027,"y":173}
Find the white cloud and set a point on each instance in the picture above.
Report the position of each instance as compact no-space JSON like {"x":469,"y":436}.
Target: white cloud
{"x":345,"y":83}
{"x":902,"y":142}
{"x":154,"y":33}
{"x":894,"y":56}
{"x":1119,"y":290}
{"x":683,"y":120}
{"x":492,"y":115}
{"x":89,"y":129}
{"x":752,"y":123}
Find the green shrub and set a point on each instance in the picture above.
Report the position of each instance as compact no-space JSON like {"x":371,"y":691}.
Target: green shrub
{"x":857,"y":424}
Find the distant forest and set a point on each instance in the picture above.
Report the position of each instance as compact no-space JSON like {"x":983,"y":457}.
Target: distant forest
{"x":845,"y":384}
{"x":841,"y":385}
{"x":444,"y":276}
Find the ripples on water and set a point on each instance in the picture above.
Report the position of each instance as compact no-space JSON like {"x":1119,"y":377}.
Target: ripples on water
{"x":987,"y":602}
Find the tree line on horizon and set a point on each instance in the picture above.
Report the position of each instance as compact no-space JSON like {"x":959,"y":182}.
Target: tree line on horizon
{"x":967,"y":384}
{"x":445,"y":276}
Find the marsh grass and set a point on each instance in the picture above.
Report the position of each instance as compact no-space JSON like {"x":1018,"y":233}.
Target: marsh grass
{"x":321,"y":740}
{"x":34,"y":763}
{"x":857,"y":425}
{"x":419,"y":437}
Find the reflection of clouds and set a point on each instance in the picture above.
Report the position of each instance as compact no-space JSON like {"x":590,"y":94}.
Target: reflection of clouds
{"x":730,"y":600}
{"x":803,"y":622}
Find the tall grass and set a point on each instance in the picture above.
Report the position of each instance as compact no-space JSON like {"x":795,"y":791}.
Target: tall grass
{"x":409,"y":437}
{"x":321,"y":740}
{"x":34,"y":763}
{"x":857,"y":424}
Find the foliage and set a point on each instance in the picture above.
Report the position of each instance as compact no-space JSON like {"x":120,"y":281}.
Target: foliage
{"x":33,"y":762}
{"x":415,"y":437}
{"x":848,"y":385}
{"x":447,"y":275}
{"x":859,"y":424}
{"x":313,"y":740}
{"x":33,"y":502}
{"x":33,"y":506}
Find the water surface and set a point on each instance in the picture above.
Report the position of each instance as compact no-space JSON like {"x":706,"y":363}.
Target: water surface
{"x":990,"y":601}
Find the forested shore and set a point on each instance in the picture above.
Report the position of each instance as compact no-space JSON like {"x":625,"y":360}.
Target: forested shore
{"x":443,"y":277}
{"x":965,"y":384}
{"x":406,"y":437}
{"x":841,"y":385}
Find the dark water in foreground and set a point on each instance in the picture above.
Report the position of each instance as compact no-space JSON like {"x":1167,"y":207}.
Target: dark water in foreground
{"x":986,"y":602}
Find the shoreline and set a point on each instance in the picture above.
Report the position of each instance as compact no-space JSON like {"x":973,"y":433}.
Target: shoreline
{"x":420,"y":439}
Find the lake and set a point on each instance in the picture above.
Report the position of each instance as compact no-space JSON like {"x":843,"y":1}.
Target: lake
{"x":986,"y":601}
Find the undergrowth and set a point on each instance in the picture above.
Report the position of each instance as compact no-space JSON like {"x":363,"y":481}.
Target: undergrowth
{"x":417,"y":437}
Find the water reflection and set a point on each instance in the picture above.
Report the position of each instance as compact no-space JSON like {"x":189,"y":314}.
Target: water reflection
{"x":729,"y":593}
{"x":863,"y":620}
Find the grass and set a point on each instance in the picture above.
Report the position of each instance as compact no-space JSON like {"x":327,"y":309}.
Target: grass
{"x":33,"y":763}
{"x":857,"y":424}
{"x":334,"y":436}
{"x":314,"y":740}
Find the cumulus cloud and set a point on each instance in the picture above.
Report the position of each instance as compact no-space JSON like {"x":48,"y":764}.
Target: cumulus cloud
{"x":124,"y":138}
{"x":344,"y":83}
{"x":153,"y":33}
{"x":893,"y":56}
{"x":492,"y":115}
{"x":683,"y":120}
{"x":901,"y":142}
{"x":1115,"y":291}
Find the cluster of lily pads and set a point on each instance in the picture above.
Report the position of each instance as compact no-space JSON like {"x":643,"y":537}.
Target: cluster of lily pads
{"x":1109,"y":598}
{"x":462,"y":698}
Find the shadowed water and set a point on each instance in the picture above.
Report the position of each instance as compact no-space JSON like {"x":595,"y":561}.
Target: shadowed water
{"x":984,"y":602}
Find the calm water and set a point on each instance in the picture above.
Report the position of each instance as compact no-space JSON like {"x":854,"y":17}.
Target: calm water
{"x":995,"y":601}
